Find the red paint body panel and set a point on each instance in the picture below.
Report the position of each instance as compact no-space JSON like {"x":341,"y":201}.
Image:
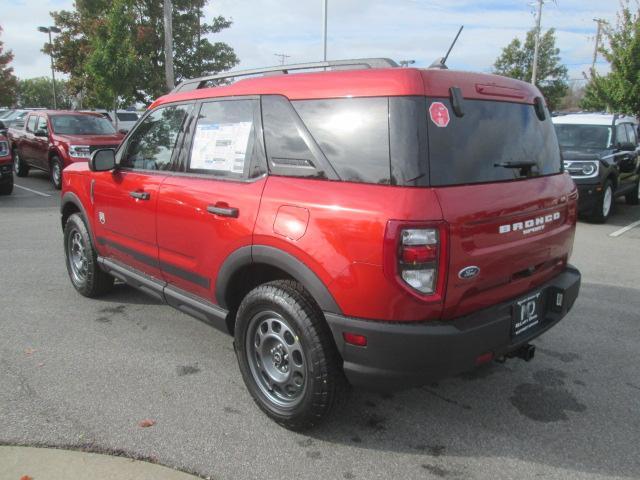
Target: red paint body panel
{"x":129,"y":223}
{"x":344,"y":240}
{"x":194,"y":240}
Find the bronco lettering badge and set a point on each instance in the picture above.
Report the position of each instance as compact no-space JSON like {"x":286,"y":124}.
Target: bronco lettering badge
{"x":529,"y":226}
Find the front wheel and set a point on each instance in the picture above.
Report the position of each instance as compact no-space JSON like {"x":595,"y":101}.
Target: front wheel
{"x":82,"y":260}
{"x":56,"y":173}
{"x":20,"y":168}
{"x":633,"y":197}
{"x":286,"y":355}
{"x":604,"y":206}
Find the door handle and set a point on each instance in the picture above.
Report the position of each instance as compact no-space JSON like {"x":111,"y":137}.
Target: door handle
{"x":217,"y":209}
{"x":140,"y":195}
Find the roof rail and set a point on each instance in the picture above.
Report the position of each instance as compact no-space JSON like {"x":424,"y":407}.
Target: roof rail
{"x":201,"y":82}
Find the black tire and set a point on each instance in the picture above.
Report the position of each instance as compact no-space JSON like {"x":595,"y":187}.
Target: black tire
{"x":55,"y":172}
{"x":85,"y":273}
{"x":20,"y":168}
{"x":6,"y":188}
{"x":317,"y":382}
{"x":633,"y":197}
{"x":600,"y":213}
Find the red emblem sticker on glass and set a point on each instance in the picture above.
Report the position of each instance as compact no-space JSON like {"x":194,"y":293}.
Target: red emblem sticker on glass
{"x":439,"y":114}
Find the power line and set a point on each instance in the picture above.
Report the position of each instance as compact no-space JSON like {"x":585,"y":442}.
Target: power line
{"x":282,"y":57}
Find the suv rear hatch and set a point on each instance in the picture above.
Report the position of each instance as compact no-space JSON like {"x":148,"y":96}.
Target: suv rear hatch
{"x":511,"y":211}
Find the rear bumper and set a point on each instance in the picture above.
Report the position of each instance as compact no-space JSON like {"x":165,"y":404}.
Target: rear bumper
{"x":405,"y":355}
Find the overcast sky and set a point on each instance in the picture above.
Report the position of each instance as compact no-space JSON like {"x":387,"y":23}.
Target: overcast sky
{"x":399,"y":29}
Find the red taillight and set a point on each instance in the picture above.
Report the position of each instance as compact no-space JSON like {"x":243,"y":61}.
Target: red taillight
{"x":416,"y":256}
{"x":484,"y":358}
{"x":419,"y":254}
{"x":355,"y":339}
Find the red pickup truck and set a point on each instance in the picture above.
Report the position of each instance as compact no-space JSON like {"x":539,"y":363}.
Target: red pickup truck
{"x":51,"y":140}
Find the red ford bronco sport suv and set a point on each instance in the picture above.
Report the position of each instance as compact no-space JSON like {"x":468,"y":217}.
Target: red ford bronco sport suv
{"x":52,"y":140}
{"x":387,"y":226}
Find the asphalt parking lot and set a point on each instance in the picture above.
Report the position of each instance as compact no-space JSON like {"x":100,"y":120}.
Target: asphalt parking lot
{"x":82,"y":373}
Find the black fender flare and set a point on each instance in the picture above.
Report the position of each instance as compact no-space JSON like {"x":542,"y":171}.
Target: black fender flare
{"x":70,"y":197}
{"x":266,"y":255}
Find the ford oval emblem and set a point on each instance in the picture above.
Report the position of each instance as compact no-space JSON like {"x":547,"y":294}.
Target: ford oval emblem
{"x":469,"y":272}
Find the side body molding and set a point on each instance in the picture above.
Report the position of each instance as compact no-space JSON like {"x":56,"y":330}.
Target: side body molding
{"x":262,"y":254}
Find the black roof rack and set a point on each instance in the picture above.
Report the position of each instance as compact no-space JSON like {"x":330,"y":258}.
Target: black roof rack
{"x":201,"y":82}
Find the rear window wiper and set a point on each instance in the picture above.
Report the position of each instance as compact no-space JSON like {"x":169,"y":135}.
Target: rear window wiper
{"x":515,"y":164}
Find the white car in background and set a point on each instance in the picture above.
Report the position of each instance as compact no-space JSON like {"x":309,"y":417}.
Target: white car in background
{"x":126,"y":118}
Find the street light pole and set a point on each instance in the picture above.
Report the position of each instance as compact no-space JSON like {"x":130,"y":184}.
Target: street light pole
{"x":48,"y":30}
{"x":324,"y":29}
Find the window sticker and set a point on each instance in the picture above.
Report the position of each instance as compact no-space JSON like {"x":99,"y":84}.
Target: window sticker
{"x":439,"y":114}
{"x":220,"y":146}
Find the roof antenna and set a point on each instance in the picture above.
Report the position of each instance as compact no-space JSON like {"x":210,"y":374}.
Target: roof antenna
{"x":441,"y":62}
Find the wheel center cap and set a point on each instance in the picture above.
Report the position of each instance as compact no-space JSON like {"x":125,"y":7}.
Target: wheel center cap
{"x":279,"y":357}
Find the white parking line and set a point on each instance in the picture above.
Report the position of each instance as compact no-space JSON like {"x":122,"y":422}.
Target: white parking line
{"x":32,"y":191}
{"x":617,"y":233}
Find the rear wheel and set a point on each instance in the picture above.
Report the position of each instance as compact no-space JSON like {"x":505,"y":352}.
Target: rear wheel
{"x":604,"y":206}
{"x":56,"y":173}
{"x":633,"y":197}
{"x":82,"y":260}
{"x":286,"y":355}
{"x":20,"y":168}
{"x":7,"y":187}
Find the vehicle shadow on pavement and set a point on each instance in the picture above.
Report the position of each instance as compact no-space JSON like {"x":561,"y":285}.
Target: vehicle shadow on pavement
{"x":545,"y":412}
{"x":124,"y":294}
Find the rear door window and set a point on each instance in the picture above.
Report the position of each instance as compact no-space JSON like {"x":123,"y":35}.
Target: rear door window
{"x":224,"y":142}
{"x":470,"y":149}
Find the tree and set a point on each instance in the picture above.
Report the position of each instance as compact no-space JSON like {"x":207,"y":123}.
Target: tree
{"x":36,"y":92}
{"x":8,"y":81}
{"x":516,"y":61}
{"x":619,"y":90}
{"x":194,"y":54}
{"x":113,"y":62}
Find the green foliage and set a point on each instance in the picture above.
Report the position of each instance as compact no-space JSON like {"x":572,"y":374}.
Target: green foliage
{"x":516,"y":61}
{"x":618,"y":91}
{"x":112,"y":62}
{"x":38,"y":92}
{"x":141,"y":30}
{"x":8,"y":82}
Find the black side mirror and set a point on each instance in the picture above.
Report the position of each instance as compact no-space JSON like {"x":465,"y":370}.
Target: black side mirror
{"x":3,"y":127}
{"x":123,"y":131}
{"x":41,"y":133}
{"x":102,"y":160}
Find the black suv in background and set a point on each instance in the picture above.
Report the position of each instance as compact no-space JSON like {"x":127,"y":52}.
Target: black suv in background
{"x":601,"y":153}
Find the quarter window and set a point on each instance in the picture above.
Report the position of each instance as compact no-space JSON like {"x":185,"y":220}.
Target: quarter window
{"x":31,"y":124}
{"x":151,"y":145}
{"x":224,"y":141}
{"x":353,"y":133}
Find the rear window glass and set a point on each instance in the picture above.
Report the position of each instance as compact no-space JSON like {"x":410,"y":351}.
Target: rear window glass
{"x":353,"y":133}
{"x":469,"y":148}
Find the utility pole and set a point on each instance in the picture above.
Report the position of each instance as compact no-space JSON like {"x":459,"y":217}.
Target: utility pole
{"x":282,"y":57}
{"x":534,"y":70}
{"x":599,"y":21}
{"x":324,"y":29}
{"x":168,"y":44}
